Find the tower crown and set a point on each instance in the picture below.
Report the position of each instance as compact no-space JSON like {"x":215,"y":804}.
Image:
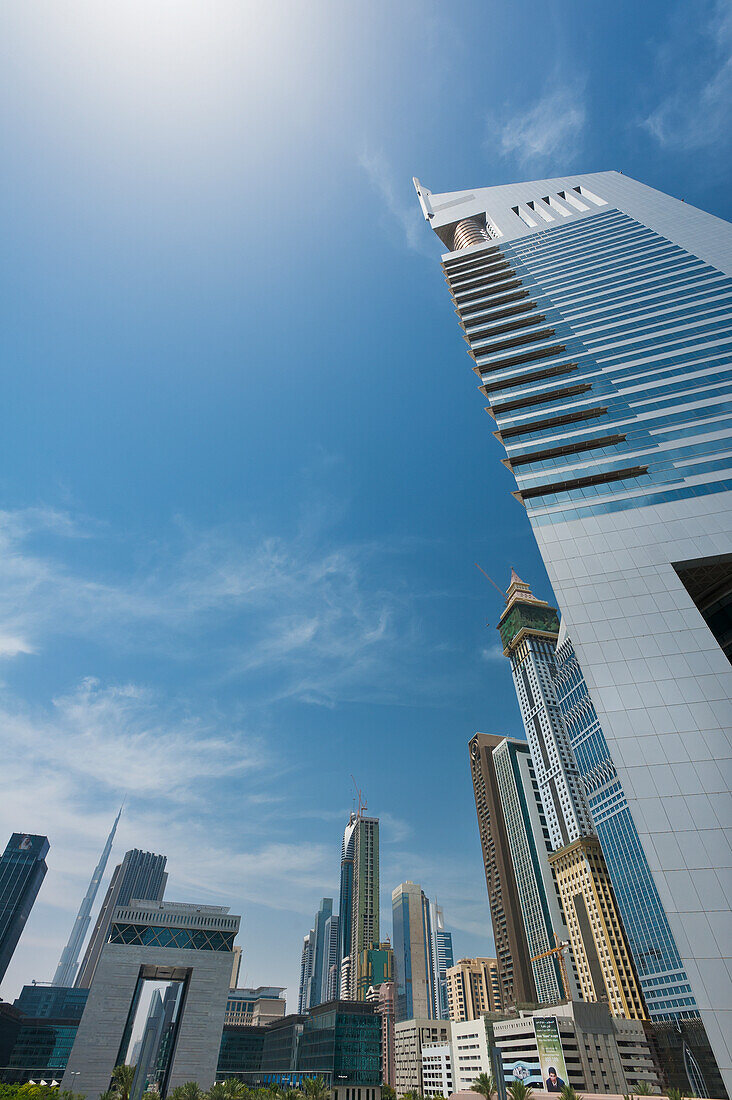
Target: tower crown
{"x":525,"y":613}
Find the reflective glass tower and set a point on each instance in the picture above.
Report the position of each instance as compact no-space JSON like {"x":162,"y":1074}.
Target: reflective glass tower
{"x":597,"y":313}
{"x":345,"y":903}
{"x":22,"y":870}
{"x":442,"y":960}
{"x":665,"y":986}
{"x":413,"y":945}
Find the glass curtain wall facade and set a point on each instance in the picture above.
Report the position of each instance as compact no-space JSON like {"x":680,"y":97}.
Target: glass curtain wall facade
{"x":413,"y":973}
{"x":442,"y":959}
{"x":665,"y":985}
{"x":345,"y":905}
{"x":528,"y":839}
{"x":22,"y":870}
{"x":597,"y":312}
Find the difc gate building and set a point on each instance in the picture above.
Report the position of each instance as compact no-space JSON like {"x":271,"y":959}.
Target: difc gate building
{"x":598,"y":315}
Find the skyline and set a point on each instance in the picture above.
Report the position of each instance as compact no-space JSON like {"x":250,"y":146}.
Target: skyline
{"x":207,"y":567}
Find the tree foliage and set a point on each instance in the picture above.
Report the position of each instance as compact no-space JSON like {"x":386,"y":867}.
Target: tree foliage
{"x":485,"y":1085}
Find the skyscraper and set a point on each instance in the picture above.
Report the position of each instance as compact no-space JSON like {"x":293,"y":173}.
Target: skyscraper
{"x":512,"y":951}
{"x":375,"y":966}
{"x":140,"y":876}
{"x":597,"y":312}
{"x":306,"y":970}
{"x":22,"y":870}
{"x":442,"y":959}
{"x":314,"y":963}
{"x":413,"y":970}
{"x":665,"y":985}
{"x":69,"y":961}
{"x":577,"y":867}
{"x":365,"y":896}
{"x":331,"y":960}
{"x":345,"y":905}
{"x":530,"y":850}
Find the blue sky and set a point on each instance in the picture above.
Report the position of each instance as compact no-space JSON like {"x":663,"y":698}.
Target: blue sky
{"x":245,"y":467}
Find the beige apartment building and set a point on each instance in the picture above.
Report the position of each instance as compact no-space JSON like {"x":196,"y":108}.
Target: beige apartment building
{"x":473,"y":987}
{"x":599,"y":945}
{"x":410,"y":1036}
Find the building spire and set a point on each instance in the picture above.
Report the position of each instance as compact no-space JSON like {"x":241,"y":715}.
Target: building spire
{"x":69,"y":961}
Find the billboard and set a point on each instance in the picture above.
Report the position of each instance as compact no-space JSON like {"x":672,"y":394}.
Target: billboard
{"x":526,"y":1071}
{"x":551,"y":1055}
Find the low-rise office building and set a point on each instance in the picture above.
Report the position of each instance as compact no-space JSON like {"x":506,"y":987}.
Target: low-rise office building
{"x":453,"y":1066}
{"x":339,"y":1041}
{"x":584,"y":1045}
{"x":410,"y":1036}
{"x":470,"y":1052}
{"x":40,"y":1032}
{"x":437,"y":1071}
{"x":255,"y":1006}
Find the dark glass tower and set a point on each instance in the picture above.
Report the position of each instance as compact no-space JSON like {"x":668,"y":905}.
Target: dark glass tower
{"x":346,"y":897}
{"x":22,"y":870}
{"x":140,"y":875}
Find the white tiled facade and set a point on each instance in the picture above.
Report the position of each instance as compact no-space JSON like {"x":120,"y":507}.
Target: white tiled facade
{"x":470,"y":1053}
{"x":660,"y":682}
{"x":437,"y":1077}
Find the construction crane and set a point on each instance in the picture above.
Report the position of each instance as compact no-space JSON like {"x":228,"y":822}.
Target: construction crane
{"x":359,"y":795}
{"x":558,"y":951}
{"x":498,"y":590}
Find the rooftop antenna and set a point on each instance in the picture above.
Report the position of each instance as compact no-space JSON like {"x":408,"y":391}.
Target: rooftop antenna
{"x":361,"y":800}
{"x":498,"y":590}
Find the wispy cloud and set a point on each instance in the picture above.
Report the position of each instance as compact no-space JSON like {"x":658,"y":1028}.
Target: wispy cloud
{"x":121,"y":738}
{"x":549,"y":127}
{"x":297,"y":618}
{"x":231,"y":626}
{"x":492,"y":653}
{"x":398,"y":198}
{"x":697,"y":111}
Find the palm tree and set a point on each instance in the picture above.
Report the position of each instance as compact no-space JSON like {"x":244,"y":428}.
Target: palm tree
{"x":237,"y":1090}
{"x":644,"y":1088}
{"x":485,"y":1085}
{"x":122,"y":1078}
{"x":315,"y":1088}
{"x":676,"y":1094}
{"x":108,"y":1095}
{"x":388,"y":1093}
{"x":519,"y":1091}
{"x":568,"y":1093}
{"x":218,"y":1091}
{"x":191,"y":1090}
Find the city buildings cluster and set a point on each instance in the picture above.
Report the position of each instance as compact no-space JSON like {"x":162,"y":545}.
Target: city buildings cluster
{"x":597,"y":314}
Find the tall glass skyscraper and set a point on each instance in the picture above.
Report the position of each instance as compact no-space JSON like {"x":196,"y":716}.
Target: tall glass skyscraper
{"x":597,"y":312}
{"x":22,"y":870}
{"x":442,"y":960}
{"x":140,"y":876}
{"x":315,"y":961}
{"x":345,"y":903}
{"x":413,"y":972}
{"x":665,"y":986}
